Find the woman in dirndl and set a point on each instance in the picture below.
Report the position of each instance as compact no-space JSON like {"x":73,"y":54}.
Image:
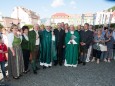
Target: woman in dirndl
{"x":15,"y":57}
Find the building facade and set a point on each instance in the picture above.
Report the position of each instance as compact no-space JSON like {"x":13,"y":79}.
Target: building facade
{"x":8,"y":21}
{"x":105,"y":17}
{"x":60,"y":17}
{"x":25,"y":15}
{"x":75,"y":19}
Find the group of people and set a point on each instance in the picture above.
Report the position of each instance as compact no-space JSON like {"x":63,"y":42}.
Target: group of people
{"x":52,"y":46}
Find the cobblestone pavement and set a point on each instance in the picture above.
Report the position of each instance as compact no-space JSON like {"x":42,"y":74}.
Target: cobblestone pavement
{"x":92,"y":74}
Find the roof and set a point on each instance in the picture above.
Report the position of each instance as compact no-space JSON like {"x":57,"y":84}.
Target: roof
{"x":60,"y":14}
{"x":8,"y":21}
{"x":10,"y":18}
{"x":114,"y":13}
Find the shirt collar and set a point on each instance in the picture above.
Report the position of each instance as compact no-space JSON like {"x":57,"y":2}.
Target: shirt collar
{"x":86,"y":30}
{"x":36,"y":30}
{"x":72,"y":32}
{"x":47,"y":30}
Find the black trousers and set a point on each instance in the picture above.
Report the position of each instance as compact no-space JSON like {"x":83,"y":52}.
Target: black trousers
{"x":59,"y":54}
{"x":97,"y":53}
{"x":26,"y":55}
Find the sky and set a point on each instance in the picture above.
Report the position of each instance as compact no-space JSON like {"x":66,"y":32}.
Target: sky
{"x":46,"y":8}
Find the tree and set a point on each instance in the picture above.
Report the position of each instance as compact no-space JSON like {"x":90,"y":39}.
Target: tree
{"x":112,"y":25}
{"x":1,"y":26}
{"x":113,"y":8}
{"x":29,"y":26}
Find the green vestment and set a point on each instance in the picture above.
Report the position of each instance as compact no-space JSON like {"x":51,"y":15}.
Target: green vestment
{"x":71,"y":51}
{"x":45,"y":48}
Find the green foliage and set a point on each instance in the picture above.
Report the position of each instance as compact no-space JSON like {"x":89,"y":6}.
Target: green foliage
{"x":1,"y":26}
{"x":29,"y":26}
{"x":112,"y":25}
{"x":113,"y":8}
{"x":98,"y":26}
{"x":101,"y":26}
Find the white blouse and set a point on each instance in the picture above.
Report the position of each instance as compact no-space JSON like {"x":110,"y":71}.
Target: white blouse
{"x":10,"y":37}
{"x":26,"y":37}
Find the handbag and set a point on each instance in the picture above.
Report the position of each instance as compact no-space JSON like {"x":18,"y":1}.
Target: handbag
{"x":103,"y":47}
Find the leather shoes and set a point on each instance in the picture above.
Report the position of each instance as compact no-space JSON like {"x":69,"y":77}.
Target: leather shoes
{"x":37,"y":68}
{"x":84,"y":63}
{"x":55,"y":64}
{"x":44,"y":67}
{"x":79,"y":62}
{"x":26,"y":71}
{"x":35,"y":72}
{"x":60,"y":64}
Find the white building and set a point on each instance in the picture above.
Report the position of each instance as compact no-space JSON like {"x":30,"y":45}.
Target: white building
{"x":60,"y":17}
{"x":25,"y":15}
{"x":104,"y":17}
{"x":1,"y":21}
{"x":113,"y":17}
{"x":98,"y":18}
{"x":75,"y":19}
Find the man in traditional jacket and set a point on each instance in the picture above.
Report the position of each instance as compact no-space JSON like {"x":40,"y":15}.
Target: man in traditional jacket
{"x":34,"y":38}
{"x":60,"y":37}
{"x":85,"y":41}
{"x":72,"y":47}
{"x":45,"y":47}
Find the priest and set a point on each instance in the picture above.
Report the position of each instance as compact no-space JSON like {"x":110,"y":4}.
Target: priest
{"x":45,"y":47}
{"x":72,"y":45}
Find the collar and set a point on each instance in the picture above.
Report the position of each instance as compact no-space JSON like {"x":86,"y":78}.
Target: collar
{"x":59,"y":29}
{"x":25,"y":34}
{"x":78,"y":30}
{"x":86,"y":30}
{"x":35,"y":30}
{"x":72,"y":32}
{"x":47,"y":30}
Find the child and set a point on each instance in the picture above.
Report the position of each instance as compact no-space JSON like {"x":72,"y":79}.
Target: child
{"x":3,"y":50}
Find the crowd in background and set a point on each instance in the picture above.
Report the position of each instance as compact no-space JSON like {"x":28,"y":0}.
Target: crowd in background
{"x":48,"y":46}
